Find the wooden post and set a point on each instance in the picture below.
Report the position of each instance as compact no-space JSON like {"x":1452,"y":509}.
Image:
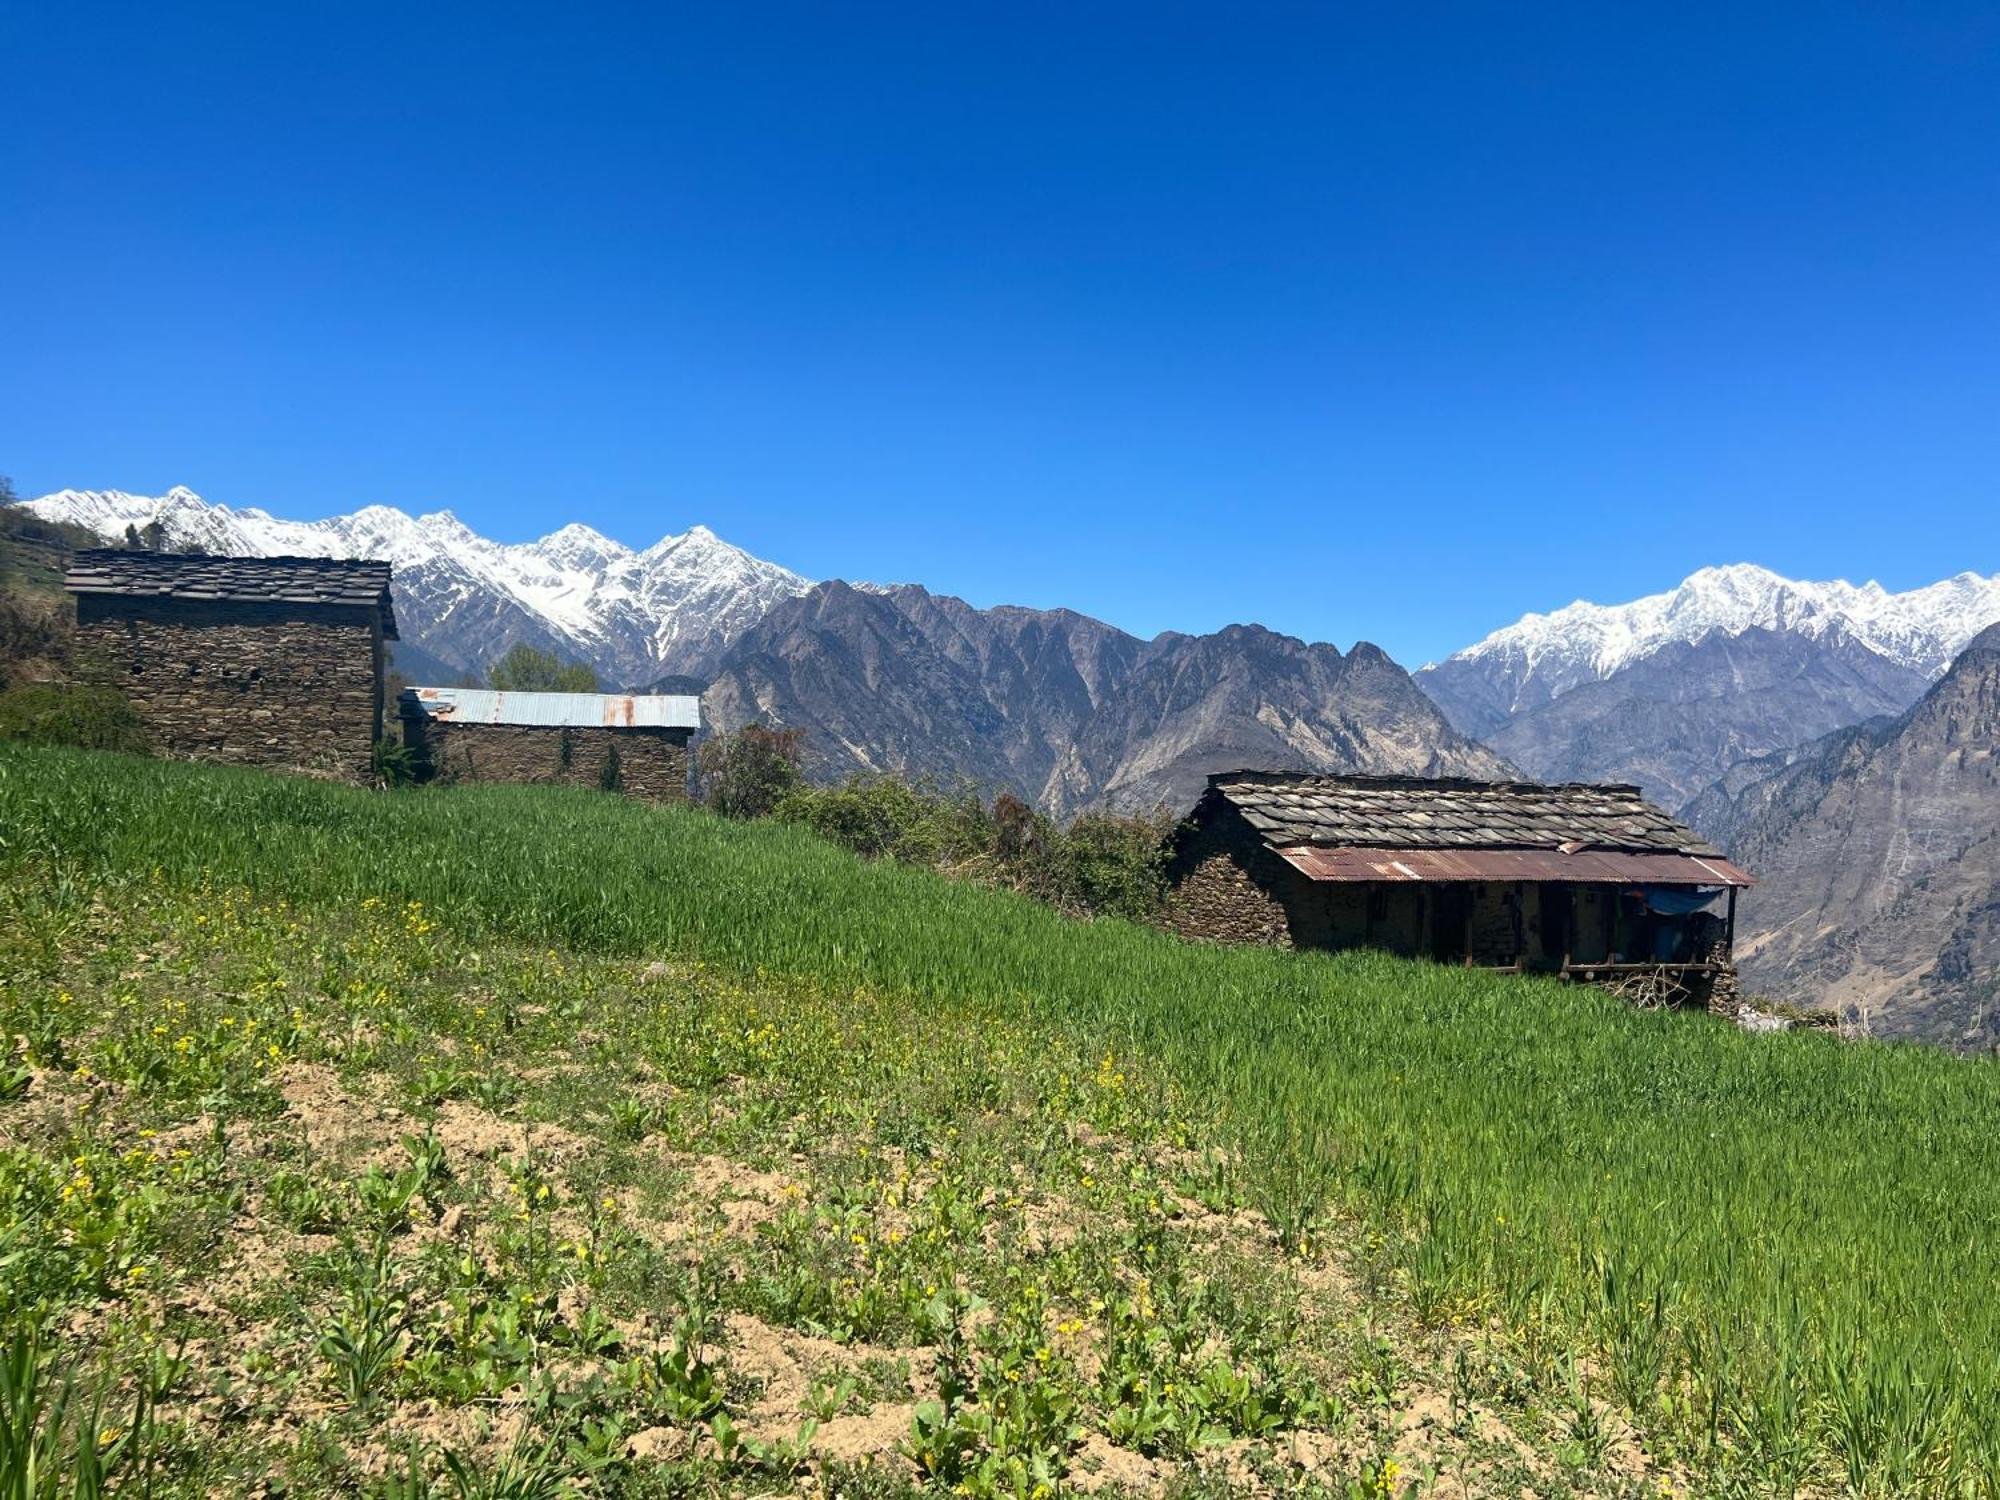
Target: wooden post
{"x":1729,"y":930}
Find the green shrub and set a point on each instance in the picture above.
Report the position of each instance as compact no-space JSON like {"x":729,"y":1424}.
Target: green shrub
{"x":1107,"y":865}
{"x":397,"y":762}
{"x":885,"y":817}
{"x":85,"y":715}
{"x":1101,"y":865}
{"x":748,"y":773}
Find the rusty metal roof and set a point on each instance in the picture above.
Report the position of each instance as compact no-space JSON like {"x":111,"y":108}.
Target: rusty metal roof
{"x":198,"y":578}
{"x":1585,"y":866}
{"x":551,"y":710}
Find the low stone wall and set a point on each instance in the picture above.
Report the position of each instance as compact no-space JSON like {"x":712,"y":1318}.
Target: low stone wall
{"x":652,"y":764}
{"x":254,"y":684}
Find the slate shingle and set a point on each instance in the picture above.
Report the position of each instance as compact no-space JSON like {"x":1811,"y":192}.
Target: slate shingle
{"x":344,"y":582}
{"x":1407,"y":812}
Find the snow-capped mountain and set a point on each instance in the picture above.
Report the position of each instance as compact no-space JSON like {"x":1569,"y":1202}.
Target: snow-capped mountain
{"x":634,"y":616}
{"x":1542,"y":656}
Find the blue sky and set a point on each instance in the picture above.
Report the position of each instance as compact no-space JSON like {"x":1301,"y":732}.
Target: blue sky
{"x":1362,"y":321}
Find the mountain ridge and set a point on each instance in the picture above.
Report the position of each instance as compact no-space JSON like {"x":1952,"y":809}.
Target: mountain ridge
{"x":1066,"y":710}
{"x":632,"y":614}
{"x":1540,"y":657}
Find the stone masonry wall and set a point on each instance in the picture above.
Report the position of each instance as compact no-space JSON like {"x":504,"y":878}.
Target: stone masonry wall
{"x":1224,"y":885}
{"x":253,"y":684}
{"x":652,"y":763}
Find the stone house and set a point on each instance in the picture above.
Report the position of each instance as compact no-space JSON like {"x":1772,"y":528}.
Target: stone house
{"x":617,"y":742}
{"x":1586,"y":882}
{"x":272,"y":661}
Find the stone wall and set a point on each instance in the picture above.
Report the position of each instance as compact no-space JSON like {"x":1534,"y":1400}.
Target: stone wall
{"x":1224,"y":885}
{"x":652,"y":763}
{"x":256,"y":684}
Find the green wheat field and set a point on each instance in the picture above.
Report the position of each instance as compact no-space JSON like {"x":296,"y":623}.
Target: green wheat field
{"x":519,"y":1142}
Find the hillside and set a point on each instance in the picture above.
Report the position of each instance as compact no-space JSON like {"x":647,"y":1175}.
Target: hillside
{"x":564,"y":1135}
{"x":1879,"y":854}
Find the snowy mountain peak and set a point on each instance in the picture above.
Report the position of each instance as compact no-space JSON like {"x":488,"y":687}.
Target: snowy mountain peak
{"x":1541,"y":656}
{"x":633,"y":616}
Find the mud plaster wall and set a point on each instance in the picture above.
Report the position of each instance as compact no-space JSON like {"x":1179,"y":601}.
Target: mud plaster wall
{"x":652,"y":763}
{"x":297,"y":687}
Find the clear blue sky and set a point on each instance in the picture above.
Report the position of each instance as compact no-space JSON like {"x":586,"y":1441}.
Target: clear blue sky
{"x":1381,"y":321}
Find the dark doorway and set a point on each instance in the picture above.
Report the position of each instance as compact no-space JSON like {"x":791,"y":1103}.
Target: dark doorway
{"x":1552,"y":898}
{"x":1451,"y":922}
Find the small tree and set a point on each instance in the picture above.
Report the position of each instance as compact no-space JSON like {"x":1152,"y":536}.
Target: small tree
{"x":527,"y":670}
{"x":746,"y":774}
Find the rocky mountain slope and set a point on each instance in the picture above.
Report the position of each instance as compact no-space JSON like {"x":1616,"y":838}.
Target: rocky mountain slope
{"x":1066,"y":710}
{"x":464,"y":600}
{"x":1674,"y":690}
{"x":1878,"y":853}
{"x":1676,"y":720}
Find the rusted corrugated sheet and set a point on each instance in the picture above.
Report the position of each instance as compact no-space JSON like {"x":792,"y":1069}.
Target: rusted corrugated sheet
{"x":1586,"y":866}
{"x":554,"y":710}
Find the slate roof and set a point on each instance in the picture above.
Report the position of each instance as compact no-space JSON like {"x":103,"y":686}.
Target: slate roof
{"x":257,"y":580}
{"x":551,"y":710}
{"x":1408,"y":812}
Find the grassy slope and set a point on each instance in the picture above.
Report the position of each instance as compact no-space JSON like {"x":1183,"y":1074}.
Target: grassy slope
{"x":1762,"y":1242}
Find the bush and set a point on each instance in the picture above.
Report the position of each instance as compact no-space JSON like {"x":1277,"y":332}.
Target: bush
{"x":1101,"y":865}
{"x":887,"y":817}
{"x":748,"y":773}
{"x":397,"y":762}
{"x":85,"y":715}
{"x":1108,"y":865}
{"x":36,"y":635}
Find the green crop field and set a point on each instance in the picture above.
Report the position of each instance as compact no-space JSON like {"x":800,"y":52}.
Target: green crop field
{"x":1628,"y":1252}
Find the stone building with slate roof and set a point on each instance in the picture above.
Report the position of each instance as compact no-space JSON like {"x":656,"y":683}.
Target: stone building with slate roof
{"x":1588,"y":882}
{"x":273,"y":661}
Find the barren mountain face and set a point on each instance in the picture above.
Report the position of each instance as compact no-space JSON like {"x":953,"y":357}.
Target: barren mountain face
{"x":1879,"y":857}
{"x":1068,"y":711}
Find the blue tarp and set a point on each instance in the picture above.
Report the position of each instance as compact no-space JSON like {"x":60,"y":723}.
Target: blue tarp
{"x":1676,"y":900}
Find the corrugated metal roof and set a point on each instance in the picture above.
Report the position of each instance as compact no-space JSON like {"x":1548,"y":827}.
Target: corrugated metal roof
{"x":1586,"y":866}
{"x":553,"y":710}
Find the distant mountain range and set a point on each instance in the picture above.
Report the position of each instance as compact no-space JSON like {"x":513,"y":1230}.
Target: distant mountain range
{"x":1062,"y":709}
{"x":463,"y":600}
{"x":1674,"y":690}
